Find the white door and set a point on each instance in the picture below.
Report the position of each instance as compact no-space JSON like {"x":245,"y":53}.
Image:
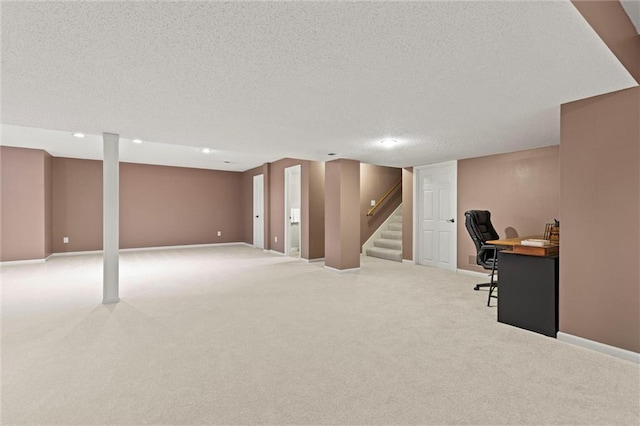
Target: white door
{"x":258,"y":211}
{"x":292,"y":208}
{"x":436,"y":214}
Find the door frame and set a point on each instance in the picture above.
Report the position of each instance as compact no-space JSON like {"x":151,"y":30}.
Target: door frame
{"x":287,"y":210}
{"x":253,"y":210}
{"x":417,"y":207}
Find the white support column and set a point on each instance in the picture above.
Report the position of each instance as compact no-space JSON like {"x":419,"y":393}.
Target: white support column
{"x":111,"y":213}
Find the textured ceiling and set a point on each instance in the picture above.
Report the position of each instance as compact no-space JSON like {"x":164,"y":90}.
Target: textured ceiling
{"x":448,"y":80}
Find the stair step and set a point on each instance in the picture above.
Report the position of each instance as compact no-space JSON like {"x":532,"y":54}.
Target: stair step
{"x":390,"y":244}
{"x":385,"y":253}
{"x":392,"y":235}
{"x":395,"y":227}
{"x":396,"y":219}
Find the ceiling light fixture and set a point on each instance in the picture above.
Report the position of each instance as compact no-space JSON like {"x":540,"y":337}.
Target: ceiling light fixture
{"x":389,"y":142}
{"x":136,"y":141}
{"x":207,"y":150}
{"x":78,"y":135}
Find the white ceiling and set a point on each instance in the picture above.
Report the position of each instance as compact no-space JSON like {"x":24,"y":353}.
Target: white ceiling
{"x":261,"y":81}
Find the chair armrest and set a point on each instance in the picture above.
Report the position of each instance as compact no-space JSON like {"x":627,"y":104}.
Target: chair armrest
{"x":485,"y":247}
{"x":487,"y":255}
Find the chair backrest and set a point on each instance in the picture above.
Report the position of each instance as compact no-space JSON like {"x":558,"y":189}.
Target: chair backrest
{"x":478,"y":223}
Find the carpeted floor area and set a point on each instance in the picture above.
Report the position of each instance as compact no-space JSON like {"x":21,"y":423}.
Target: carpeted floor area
{"x":233,"y":335}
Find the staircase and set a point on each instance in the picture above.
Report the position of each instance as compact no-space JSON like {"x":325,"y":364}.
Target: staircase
{"x":389,"y":246}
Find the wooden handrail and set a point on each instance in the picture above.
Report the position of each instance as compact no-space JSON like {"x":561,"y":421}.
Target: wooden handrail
{"x":384,"y":197}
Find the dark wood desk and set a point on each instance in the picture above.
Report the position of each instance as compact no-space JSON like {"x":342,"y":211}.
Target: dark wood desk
{"x":528,"y":292}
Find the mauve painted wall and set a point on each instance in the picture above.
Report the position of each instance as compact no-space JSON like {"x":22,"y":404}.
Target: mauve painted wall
{"x":600,"y":216}
{"x":520,"y":189}
{"x":77,"y":204}
{"x":23,"y":204}
{"x":159,"y":205}
{"x":48,"y":204}
{"x":600,"y":188}
{"x":164,"y":206}
{"x":1,"y":203}
{"x":316,"y":194}
{"x":611,"y":22}
{"x":342,"y":214}
{"x":375,"y":181}
{"x":407,"y":213}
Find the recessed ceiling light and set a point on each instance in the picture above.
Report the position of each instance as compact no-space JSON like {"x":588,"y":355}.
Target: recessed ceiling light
{"x":389,"y":142}
{"x":136,"y":141}
{"x":207,"y":150}
{"x":78,"y":135}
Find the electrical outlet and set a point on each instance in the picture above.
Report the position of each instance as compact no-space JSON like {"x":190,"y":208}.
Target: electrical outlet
{"x":65,"y":240}
{"x":275,"y":239}
{"x":373,"y":203}
{"x":219,"y":233}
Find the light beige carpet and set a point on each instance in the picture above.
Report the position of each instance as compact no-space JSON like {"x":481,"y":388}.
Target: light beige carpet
{"x":232,"y":335}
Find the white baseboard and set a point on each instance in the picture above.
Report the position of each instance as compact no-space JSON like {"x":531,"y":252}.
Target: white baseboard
{"x":341,"y":270}
{"x":412,"y":262}
{"x":81,"y":253}
{"x":184,"y":246}
{"x":23,"y":262}
{"x":76,"y":253}
{"x":318,"y":259}
{"x":473,"y":273}
{"x":276,"y":252}
{"x":599,"y":347}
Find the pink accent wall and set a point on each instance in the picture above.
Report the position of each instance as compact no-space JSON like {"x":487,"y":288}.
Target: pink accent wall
{"x":24,"y":187}
{"x":407,"y":213}
{"x":520,"y":189}
{"x":375,"y":181}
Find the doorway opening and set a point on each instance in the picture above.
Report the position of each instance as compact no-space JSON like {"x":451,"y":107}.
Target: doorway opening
{"x":292,"y":210}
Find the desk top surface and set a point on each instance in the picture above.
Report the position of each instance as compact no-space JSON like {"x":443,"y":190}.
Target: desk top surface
{"x":512,"y":241}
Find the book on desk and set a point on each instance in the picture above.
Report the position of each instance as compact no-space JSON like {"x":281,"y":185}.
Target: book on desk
{"x":536,"y":247}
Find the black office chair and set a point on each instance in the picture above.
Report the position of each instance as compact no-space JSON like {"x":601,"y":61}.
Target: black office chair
{"x":478,"y":223}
